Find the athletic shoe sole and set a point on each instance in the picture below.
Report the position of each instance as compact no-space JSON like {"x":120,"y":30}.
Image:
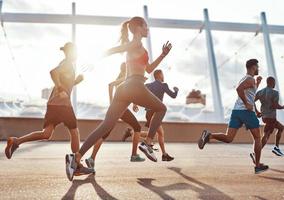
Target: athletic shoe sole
{"x":147,"y":155}
{"x":201,"y":142}
{"x":276,"y":153}
{"x":260,"y":171}
{"x":70,"y":166}
{"x":88,"y":163}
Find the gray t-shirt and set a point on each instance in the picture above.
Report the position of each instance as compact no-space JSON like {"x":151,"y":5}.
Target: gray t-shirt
{"x":268,"y":96}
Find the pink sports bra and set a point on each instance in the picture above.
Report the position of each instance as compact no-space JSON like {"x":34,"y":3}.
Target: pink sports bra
{"x":142,"y":60}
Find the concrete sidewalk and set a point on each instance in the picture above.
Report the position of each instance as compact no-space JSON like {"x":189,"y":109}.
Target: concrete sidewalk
{"x":220,"y":171}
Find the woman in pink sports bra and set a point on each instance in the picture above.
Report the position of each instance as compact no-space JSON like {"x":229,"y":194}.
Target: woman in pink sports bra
{"x":132,"y":90}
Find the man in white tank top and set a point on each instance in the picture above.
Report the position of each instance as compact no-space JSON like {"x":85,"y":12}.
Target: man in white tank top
{"x":243,"y":114}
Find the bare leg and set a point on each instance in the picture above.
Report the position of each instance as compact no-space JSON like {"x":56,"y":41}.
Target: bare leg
{"x":45,"y":134}
{"x":279,"y":127}
{"x":257,"y":145}
{"x":228,"y":137}
{"x":135,"y":141}
{"x":96,"y":148}
{"x":265,"y":138}
{"x":74,"y":139}
{"x":161,"y":140}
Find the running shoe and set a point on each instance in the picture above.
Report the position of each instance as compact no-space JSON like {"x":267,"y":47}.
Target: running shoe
{"x":204,"y":138}
{"x":71,"y":166}
{"x":155,"y":149}
{"x":90,"y":162}
{"x":11,"y":147}
{"x":137,"y":158}
{"x":84,"y":171}
{"x":277,"y":151}
{"x":261,"y":168}
{"x":148,"y":151}
{"x":127,"y":134}
{"x":167,"y":157}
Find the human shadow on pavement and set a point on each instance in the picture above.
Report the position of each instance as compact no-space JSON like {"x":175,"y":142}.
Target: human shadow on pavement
{"x":161,"y":190}
{"x":101,"y":192}
{"x":273,"y":178}
{"x":204,"y":190}
{"x":276,"y":170}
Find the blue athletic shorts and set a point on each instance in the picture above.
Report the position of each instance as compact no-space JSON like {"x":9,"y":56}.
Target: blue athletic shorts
{"x":246,"y":117}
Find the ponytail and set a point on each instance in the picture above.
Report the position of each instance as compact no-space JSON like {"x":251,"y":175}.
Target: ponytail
{"x":124,"y":33}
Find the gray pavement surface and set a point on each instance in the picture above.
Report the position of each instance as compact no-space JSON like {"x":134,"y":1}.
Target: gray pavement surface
{"x":220,"y":171}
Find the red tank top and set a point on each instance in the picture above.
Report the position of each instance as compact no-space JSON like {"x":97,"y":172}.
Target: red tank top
{"x":142,"y":60}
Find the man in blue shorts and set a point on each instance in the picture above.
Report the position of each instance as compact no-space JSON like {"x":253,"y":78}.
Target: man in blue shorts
{"x":243,"y":113}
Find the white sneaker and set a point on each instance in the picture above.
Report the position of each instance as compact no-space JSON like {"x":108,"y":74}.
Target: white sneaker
{"x":277,"y":151}
{"x":71,"y":165}
{"x":148,"y":151}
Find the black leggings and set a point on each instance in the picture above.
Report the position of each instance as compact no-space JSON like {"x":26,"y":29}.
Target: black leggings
{"x":132,"y":90}
{"x":130,"y":119}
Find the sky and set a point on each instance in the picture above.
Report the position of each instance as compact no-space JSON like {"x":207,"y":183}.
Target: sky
{"x":36,"y":46}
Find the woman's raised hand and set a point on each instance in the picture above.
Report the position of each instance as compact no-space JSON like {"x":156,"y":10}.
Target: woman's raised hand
{"x":166,"y":48}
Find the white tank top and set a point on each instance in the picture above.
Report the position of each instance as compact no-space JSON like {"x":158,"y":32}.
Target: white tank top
{"x":249,"y":94}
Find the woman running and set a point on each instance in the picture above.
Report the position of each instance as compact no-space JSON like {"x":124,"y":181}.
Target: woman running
{"x":127,"y":117}
{"x":132,"y":90}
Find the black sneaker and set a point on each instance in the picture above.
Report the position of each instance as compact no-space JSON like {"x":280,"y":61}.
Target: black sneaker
{"x":127,"y":134}
{"x":261,"y":168}
{"x":167,"y":157}
{"x":148,"y":151}
{"x":204,"y":138}
{"x":10,"y":147}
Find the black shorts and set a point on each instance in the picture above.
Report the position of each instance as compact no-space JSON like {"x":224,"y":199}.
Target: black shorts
{"x":149,"y":115}
{"x":60,"y":114}
{"x":271,"y":124}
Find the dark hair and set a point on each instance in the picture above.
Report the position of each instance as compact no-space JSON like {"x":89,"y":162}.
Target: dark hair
{"x":270,"y":80}
{"x":131,"y":25}
{"x":157,"y":73}
{"x":251,"y":62}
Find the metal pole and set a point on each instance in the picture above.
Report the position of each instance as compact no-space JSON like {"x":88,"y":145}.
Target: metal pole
{"x":149,"y":44}
{"x":74,"y":94}
{"x":268,"y":49}
{"x":217,"y":100}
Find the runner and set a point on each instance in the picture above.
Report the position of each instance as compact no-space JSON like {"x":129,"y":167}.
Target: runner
{"x":269,"y":98}
{"x":130,"y":91}
{"x":127,"y":117}
{"x":158,"y":88}
{"x":59,"y":107}
{"x":243,"y":113}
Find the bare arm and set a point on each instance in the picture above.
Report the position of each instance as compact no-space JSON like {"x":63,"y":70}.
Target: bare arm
{"x":55,"y":78}
{"x":248,"y":83}
{"x":122,"y":48}
{"x":165,"y":50}
{"x":112,"y":85}
{"x":79,"y":79}
{"x":275,"y":104}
